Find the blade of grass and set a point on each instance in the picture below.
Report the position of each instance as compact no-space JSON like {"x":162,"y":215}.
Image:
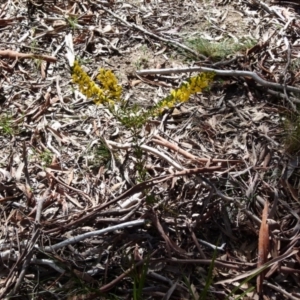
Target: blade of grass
{"x":246,"y":281}
{"x":245,"y":293}
{"x":140,"y":279}
{"x":209,"y":275}
{"x":188,"y":284}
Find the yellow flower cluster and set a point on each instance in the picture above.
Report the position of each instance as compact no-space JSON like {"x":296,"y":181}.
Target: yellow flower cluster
{"x":110,"y":83}
{"x":109,"y":92}
{"x":193,"y":85}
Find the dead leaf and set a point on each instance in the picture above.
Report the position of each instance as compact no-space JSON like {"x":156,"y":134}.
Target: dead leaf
{"x":263,"y":246}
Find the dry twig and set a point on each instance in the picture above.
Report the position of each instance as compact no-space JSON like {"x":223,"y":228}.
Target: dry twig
{"x":15,"y":54}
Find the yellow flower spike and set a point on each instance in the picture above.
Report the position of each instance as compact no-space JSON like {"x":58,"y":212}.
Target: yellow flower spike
{"x":110,"y":91}
{"x":110,"y":83}
{"x":111,"y":102}
{"x":182,"y":94}
{"x":91,"y":90}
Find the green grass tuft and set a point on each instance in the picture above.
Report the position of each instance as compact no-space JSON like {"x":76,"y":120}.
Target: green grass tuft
{"x":292,"y":134}
{"x":7,"y":127}
{"x":219,"y":50}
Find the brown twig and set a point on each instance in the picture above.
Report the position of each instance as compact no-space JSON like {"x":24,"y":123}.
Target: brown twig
{"x":170,"y":245}
{"x":163,"y":142}
{"x":15,"y":54}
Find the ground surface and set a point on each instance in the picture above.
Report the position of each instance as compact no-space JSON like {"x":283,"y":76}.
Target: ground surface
{"x":196,"y":177}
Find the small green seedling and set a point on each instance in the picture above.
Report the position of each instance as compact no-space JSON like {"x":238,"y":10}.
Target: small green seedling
{"x":6,"y":125}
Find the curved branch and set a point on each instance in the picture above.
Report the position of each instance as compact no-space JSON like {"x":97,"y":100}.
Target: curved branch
{"x":237,"y":73}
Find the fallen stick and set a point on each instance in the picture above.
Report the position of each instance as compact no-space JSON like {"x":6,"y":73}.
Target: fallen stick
{"x":158,"y":37}
{"x":238,"y":73}
{"x":15,"y":54}
{"x":151,"y":150}
{"x":163,"y":142}
{"x":78,"y":238}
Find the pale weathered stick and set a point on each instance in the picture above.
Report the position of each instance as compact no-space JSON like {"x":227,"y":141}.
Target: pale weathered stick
{"x":151,"y":150}
{"x":81,"y":237}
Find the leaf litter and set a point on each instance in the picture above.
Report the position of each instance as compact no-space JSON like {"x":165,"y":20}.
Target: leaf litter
{"x":79,"y":220}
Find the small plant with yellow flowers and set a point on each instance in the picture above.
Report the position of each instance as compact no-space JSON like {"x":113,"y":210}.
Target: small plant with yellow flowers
{"x":108,"y":92}
{"x":192,"y":86}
